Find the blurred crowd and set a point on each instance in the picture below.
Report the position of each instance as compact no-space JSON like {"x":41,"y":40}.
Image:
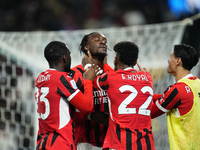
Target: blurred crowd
{"x":51,"y":15}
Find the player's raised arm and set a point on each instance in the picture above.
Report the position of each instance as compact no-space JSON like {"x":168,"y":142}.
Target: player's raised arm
{"x":142,"y":69}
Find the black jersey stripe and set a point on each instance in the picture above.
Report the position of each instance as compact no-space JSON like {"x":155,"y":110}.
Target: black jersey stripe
{"x":148,"y":143}
{"x":171,"y":96}
{"x":97,"y":106}
{"x":72,"y":73}
{"x":79,"y":83}
{"x":55,"y":135}
{"x":38,"y":146}
{"x":61,"y":93}
{"x":88,"y":129}
{"x":106,"y":108}
{"x":105,"y":87}
{"x":81,"y":70}
{"x":97,"y":135}
{"x":139,"y":136}
{"x":39,"y":137}
{"x":103,"y":79}
{"x":118,"y":132}
{"x":67,"y":84}
{"x":128,"y":139}
{"x":45,"y":142}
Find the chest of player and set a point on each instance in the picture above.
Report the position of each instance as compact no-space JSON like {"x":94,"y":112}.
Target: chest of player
{"x":100,"y":99}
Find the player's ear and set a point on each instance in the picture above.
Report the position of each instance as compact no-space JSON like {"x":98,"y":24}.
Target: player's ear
{"x":178,"y":61}
{"x":86,"y":47}
{"x":64,"y":58}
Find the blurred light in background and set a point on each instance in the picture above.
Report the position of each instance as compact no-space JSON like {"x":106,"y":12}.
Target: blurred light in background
{"x":184,"y":7}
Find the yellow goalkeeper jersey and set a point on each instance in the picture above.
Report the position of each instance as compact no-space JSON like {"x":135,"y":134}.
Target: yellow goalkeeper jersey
{"x":184,"y":131}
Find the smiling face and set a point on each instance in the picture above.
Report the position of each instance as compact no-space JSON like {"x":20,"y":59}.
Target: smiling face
{"x":97,"y":45}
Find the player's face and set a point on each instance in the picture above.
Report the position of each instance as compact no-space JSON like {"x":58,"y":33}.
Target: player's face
{"x":68,"y":62}
{"x":172,"y":64}
{"x":97,"y":44}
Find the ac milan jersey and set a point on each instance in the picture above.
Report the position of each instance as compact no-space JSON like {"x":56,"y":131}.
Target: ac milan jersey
{"x":88,"y":130}
{"x":183,"y":131}
{"x":130,"y":93}
{"x":177,"y":97}
{"x":54,"y":112}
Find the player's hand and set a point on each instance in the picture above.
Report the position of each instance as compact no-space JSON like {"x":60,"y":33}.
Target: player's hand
{"x":92,"y":72}
{"x":86,"y":60}
{"x":142,"y":69}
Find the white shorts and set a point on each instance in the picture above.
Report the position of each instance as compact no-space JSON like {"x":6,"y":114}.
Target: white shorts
{"x":87,"y":146}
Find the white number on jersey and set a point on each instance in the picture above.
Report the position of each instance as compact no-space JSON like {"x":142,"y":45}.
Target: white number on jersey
{"x":143,"y":108}
{"x":44,"y":91}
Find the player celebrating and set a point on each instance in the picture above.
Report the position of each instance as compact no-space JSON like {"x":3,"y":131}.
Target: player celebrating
{"x":130,"y":93}
{"x":181,"y":101}
{"x":55,"y":93}
{"x":90,"y":133}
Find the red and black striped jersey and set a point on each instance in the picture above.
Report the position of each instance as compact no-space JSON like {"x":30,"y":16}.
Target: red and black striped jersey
{"x":56,"y":94}
{"x":177,"y":96}
{"x":130,"y":100}
{"x":88,"y":130}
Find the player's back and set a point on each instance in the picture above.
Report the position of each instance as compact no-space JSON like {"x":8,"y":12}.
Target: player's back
{"x":130,"y":94}
{"x":54,"y":113}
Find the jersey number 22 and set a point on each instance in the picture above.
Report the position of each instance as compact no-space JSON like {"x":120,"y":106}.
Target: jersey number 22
{"x":122,"y":109}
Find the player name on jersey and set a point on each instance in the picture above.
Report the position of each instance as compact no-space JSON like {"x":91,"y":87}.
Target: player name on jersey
{"x":43,"y":78}
{"x":137,"y":77}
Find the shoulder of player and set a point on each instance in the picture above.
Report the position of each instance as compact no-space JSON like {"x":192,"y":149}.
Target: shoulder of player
{"x":179,"y":87}
{"x":77,"y":67}
{"x":63,"y":75}
{"x":109,"y":73}
{"x":77,"y":71}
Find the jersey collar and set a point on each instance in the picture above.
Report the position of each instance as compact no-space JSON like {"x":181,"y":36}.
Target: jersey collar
{"x":128,"y":68}
{"x":187,"y":76}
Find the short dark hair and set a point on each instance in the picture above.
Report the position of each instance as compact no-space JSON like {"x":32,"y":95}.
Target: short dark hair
{"x":54,"y":51}
{"x":84,"y":42}
{"x":187,"y":54}
{"x":127,"y":52}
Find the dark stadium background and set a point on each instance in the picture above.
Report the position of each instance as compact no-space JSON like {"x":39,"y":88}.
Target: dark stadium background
{"x":68,"y":15}
{"x":54,"y":15}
